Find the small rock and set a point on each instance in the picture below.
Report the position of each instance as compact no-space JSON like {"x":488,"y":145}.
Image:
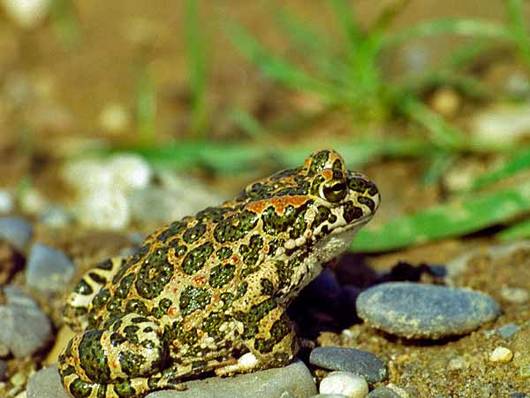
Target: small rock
{"x":31,"y":201}
{"x":328,"y":396}
{"x":46,"y":383}
{"x":414,"y":310}
{"x":56,"y":217}
{"x":519,"y":395}
{"x":345,"y":383}
{"x":359,"y":362}
{"x":383,"y":392}
{"x":129,"y":171}
{"x":87,"y":175}
{"x":508,"y":331}
{"x":6,"y":202}
{"x":3,"y":370}
{"x":154,"y":205}
{"x":457,"y":363}
{"x":515,"y":295}
{"x":48,"y":269}
{"x":271,"y":383}
{"x":24,"y":328}
{"x":114,"y":118}
{"x":16,"y":231}
{"x":28,"y":13}
{"x":104,"y":209}
{"x":502,"y":124}
{"x":446,"y":101}
{"x":501,"y":354}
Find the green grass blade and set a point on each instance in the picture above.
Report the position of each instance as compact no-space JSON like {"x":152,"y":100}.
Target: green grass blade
{"x":277,"y":68}
{"x":345,"y":14}
{"x":516,"y":23}
{"x":440,"y":132}
{"x":197,"y":68}
{"x":457,"y":218}
{"x":233,"y":158}
{"x":464,"y":27}
{"x":248,"y":123}
{"x":65,"y":22}
{"x":520,"y":230}
{"x":516,"y":164}
{"x":145,"y":105}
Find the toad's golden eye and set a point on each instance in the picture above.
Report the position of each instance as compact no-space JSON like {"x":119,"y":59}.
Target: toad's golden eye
{"x":335,"y":191}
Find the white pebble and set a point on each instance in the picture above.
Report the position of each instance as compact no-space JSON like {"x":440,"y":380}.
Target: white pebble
{"x":32,"y":201}
{"x":516,"y":295}
{"x":104,"y":209}
{"x":114,"y":118}
{"x":26,"y":13}
{"x":129,"y":171}
{"x":6,"y":202}
{"x":501,"y":354}
{"x":345,"y":383}
{"x":87,"y":175}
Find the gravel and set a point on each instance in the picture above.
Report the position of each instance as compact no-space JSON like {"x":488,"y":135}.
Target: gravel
{"x":345,"y":383}
{"x":48,"y":270}
{"x":16,"y":231}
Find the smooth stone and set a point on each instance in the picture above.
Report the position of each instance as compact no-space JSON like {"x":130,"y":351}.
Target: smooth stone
{"x":56,"y":217}
{"x":359,"y":362}
{"x":508,"y":331}
{"x":6,"y":202}
{"x":46,"y":383}
{"x":24,"y":328}
{"x":129,"y":171}
{"x":294,"y":379}
{"x":345,"y":383}
{"x":328,"y":396}
{"x":383,"y":392}
{"x":16,"y":231}
{"x":414,"y":310}
{"x":48,"y":270}
{"x":103,"y":208}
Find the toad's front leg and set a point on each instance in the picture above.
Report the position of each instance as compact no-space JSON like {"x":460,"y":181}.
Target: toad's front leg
{"x":125,"y":361}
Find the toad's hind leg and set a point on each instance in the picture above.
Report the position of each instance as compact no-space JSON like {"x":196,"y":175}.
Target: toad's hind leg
{"x":78,"y":302}
{"x":274,"y":345}
{"x":124,"y":361}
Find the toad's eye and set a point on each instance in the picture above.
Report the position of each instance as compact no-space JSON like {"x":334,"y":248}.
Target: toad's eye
{"x":335,"y":191}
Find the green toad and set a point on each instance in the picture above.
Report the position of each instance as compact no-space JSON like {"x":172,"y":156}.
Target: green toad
{"x":209,"y":292}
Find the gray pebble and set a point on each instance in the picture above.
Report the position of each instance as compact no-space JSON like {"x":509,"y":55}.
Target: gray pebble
{"x":383,"y":392}
{"x":519,"y":395}
{"x":508,"y":331}
{"x":48,"y":270}
{"x":271,"y":383}
{"x":16,"y":231}
{"x":24,"y":328}
{"x":293,"y":381}
{"x":361,"y":363}
{"x":46,"y":383}
{"x":328,"y":396}
{"x":414,"y":310}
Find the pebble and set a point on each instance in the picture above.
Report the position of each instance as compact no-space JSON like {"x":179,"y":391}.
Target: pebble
{"x":104,"y":209}
{"x":502,"y":124}
{"x":414,"y":310}
{"x":359,"y":362}
{"x":383,"y":392}
{"x":515,"y":295}
{"x":129,"y":171}
{"x":48,"y":270}
{"x":457,"y":363}
{"x":508,"y":331}
{"x":501,"y":354}
{"x":87,"y":175}
{"x":31,"y":201}
{"x":154,"y":205}
{"x":3,"y":370}
{"x":114,"y":118}
{"x":328,"y":396}
{"x":296,"y":379}
{"x":345,"y":383}
{"x":16,"y":231}
{"x":24,"y":328}
{"x":6,"y":202}
{"x":28,"y":13}
{"x":46,"y":383}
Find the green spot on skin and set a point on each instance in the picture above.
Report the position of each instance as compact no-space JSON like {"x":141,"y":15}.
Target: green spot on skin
{"x":193,"y":299}
{"x":196,"y":258}
{"x":221,"y":275}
